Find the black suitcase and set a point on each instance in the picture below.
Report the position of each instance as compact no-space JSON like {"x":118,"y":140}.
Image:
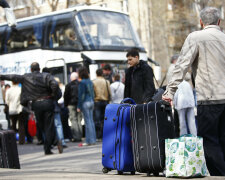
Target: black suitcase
{"x":151,"y":124}
{"x":8,"y":150}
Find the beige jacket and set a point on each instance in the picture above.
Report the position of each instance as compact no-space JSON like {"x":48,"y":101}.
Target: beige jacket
{"x":204,"y":51}
{"x":102,"y":89}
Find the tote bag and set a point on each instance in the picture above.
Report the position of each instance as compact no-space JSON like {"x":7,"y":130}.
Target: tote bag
{"x":185,"y":157}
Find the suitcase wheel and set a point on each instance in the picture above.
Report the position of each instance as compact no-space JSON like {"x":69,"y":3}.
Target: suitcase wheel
{"x":120,"y":172}
{"x":156,"y":174}
{"x":132,"y":172}
{"x":105,"y":170}
{"x":148,"y":173}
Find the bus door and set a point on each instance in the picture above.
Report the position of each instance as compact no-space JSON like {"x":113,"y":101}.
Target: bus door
{"x":56,"y":66}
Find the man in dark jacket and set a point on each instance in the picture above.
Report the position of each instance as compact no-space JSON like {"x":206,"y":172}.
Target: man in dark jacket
{"x":71,"y":100}
{"x":41,"y":89}
{"x":139,"y":83}
{"x":4,"y":4}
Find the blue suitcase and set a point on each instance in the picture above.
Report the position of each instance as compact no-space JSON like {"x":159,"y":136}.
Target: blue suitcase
{"x":116,"y":145}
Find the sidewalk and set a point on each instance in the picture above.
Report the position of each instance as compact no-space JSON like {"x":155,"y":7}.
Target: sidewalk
{"x":74,"y":163}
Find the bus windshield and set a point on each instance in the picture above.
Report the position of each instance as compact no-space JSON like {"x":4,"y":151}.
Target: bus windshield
{"x":106,"y":30}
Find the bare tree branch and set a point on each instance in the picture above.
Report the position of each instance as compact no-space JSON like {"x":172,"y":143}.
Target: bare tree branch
{"x":35,"y":6}
{"x":53,"y":4}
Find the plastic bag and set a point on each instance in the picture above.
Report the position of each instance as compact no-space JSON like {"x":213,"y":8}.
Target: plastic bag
{"x":32,"y":129}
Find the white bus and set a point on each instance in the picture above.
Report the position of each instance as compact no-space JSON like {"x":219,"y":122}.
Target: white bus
{"x":82,"y":35}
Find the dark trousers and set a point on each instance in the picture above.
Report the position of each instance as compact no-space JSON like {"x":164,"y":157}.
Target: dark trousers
{"x":21,"y":130}
{"x":211,"y":126}
{"x":99,"y":111}
{"x":44,"y":112}
{"x":26,"y":116}
{"x":64,"y":113}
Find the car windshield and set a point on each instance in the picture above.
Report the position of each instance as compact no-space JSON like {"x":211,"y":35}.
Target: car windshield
{"x":106,"y":30}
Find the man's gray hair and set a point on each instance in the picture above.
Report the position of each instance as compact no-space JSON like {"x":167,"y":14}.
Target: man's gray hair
{"x":210,"y":16}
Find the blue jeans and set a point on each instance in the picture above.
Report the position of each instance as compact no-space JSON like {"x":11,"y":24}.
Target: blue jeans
{"x":87,"y":109}
{"x":58,"y":126}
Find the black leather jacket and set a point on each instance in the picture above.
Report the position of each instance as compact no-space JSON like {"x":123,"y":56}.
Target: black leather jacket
{"x":35,"y":86}
{"x":139,"y":84}
{"x":71,"y":93}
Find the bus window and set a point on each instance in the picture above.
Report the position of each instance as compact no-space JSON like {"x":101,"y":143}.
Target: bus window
{"x":1,"y":40}
{"x":104,"y":30}
{"x":59,"y":72}
{"x":28,"y":36}
{"x":3,"y":48}
{"x":62,"y":34}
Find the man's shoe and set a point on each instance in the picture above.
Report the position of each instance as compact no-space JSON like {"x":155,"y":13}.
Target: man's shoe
{"x":65,"y":146}
{"x":76,"y":140}
{"x":40,"y":142}
{"x":60,"y":147}
{"x":49,"y":153}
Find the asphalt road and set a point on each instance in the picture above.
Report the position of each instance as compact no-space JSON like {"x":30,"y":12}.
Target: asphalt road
{"x":74,"y":163}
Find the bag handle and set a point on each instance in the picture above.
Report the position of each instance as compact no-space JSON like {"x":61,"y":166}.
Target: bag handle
{"x":128,"y":100}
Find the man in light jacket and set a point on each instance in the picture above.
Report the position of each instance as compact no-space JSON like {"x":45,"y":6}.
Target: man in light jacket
{"x":204,"y":51}
{"x":12,"y":99}
{"x":102,"y":97}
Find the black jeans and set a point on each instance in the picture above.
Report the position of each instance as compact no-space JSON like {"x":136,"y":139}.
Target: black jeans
{"x":64,"y":113}
{"x":44,"y":112}
{"x":99,"y":112}
{"x":211,"y":126}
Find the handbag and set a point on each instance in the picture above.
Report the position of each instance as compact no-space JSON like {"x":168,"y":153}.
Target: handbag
{"x":32,"y":128}
{"x":185,"y":157}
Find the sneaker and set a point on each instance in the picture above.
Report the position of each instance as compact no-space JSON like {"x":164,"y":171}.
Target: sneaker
{"x":83,"y":144}
{"x":75,"y":140}
{"x":40,"y":142}
{"x":60,"y":147}
{"x":66,"y":140}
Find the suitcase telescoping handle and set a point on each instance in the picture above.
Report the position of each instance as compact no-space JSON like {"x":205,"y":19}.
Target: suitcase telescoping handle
{"x":128,"y":100}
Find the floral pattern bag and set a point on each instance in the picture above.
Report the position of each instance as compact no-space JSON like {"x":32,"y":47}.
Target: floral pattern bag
{"x":185,"y":157}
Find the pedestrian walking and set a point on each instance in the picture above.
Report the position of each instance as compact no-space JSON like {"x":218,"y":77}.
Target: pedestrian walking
{"x":86,"y":105}
{"x":117,"y":89}
{"x":4,"y":88}
{"x":204,"y":51}
{"x":102,"y":97}
{"x":57,"y":116}
{"x":173,"y":61}
{"x":41,"y":89}
{"x":184,"y":103}
{"x":139,"y":83}
{"x":12,"y":99}
{"x":70,"y":101}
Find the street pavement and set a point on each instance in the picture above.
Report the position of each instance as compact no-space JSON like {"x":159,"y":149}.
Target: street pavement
{"x":74,"y":163}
